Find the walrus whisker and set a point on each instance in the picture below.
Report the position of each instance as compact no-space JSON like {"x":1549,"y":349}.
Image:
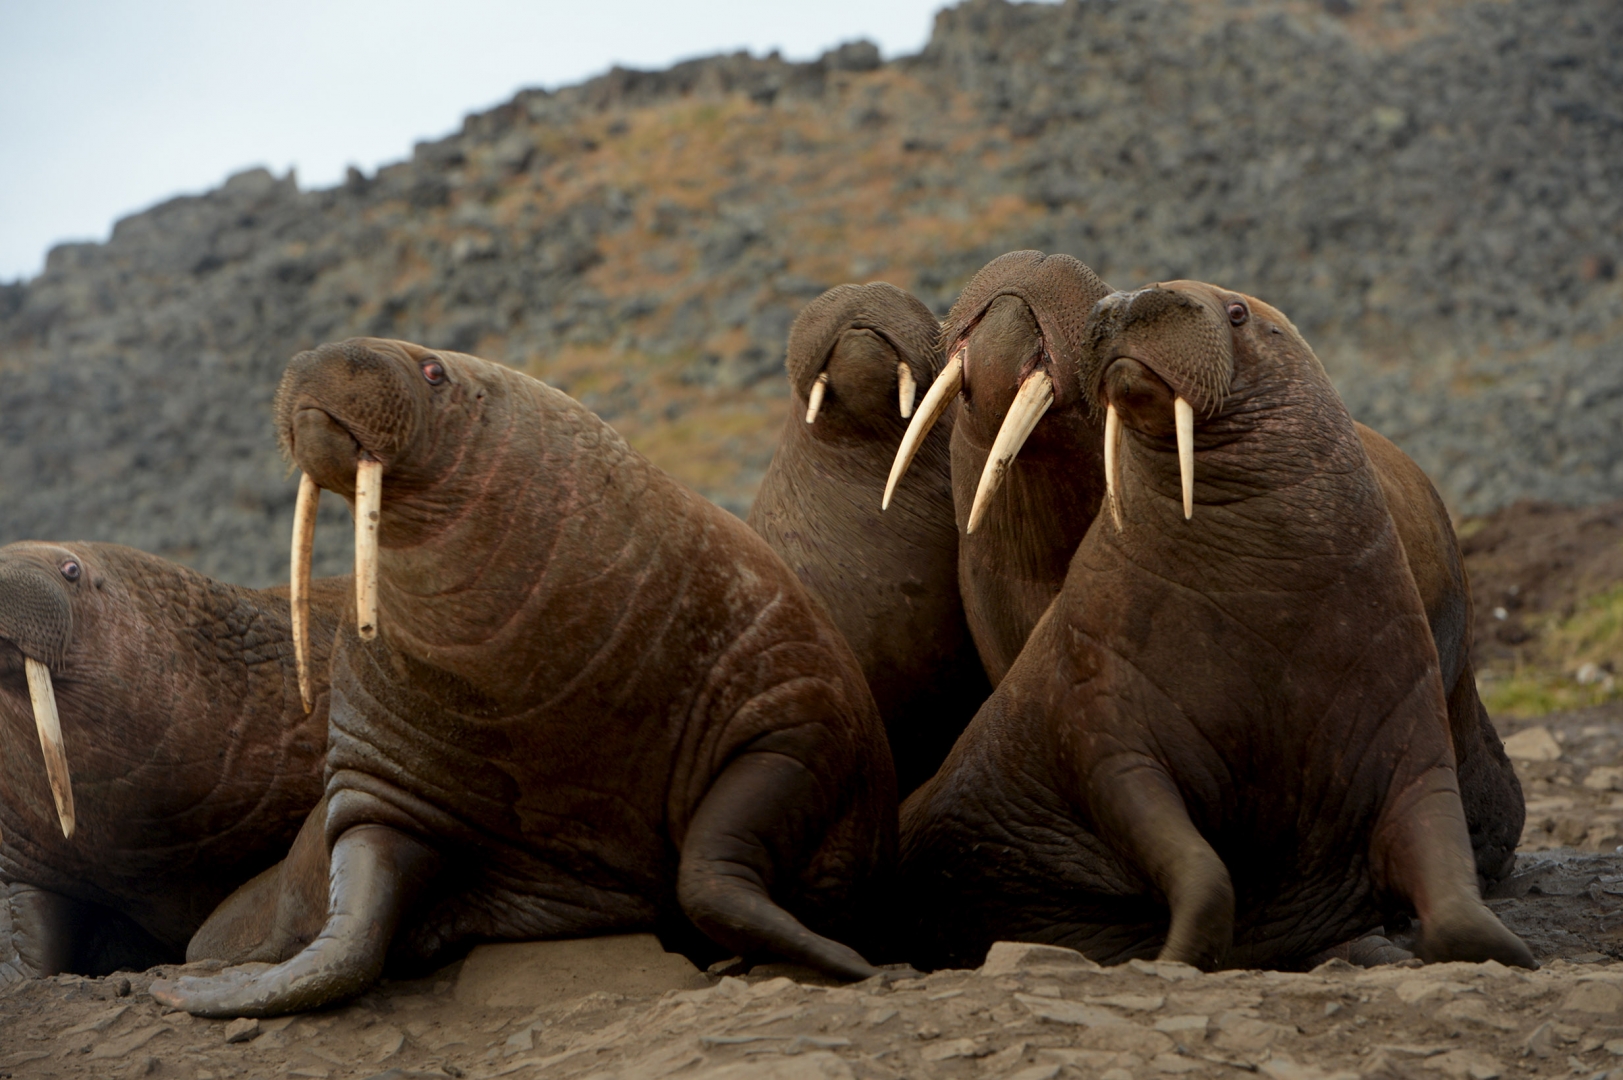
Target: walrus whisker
{"x":43,"y":696}
{"x":814,"y":400}
{"x":1183,"y":416}
{"x":1112,"y":454}
{"x":907,"y":389}
{"x":304,"y":539}
{"x":368,"y":502}
{"x":1035,"y":396}
{"x":936,"y":402}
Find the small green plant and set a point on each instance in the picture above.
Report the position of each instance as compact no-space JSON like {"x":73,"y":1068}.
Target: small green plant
{"x":1575,"y":666}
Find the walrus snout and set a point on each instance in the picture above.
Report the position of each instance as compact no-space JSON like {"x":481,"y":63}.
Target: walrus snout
{"x":36,"y":617}
{"x":36,"y":614}
{"x":373,"y":389}
{"x":1174,"y":335}
{"x":325,"y":450}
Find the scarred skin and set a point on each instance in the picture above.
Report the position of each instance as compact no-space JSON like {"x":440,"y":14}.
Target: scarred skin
{"x":1015,"y":562}
{"x":889,"y":579}
{"x":193,"y":761}
{"x":595,"y":700}
{"x":1227,"y":741}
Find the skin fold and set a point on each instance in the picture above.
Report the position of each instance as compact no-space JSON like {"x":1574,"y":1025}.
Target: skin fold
{"x":888,"y":578}
{"x":595,"y":701}
{"x":1227,"y":742}
{"x":193,"y":762}
{"x":1024,"y":305}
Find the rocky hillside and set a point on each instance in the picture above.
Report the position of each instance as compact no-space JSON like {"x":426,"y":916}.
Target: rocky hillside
{"x":1432,"y":189}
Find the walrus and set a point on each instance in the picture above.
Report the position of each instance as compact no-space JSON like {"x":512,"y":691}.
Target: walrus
{"x":154,"y":749}
{"x":1012,"y":339}
{"x":856,"y":357}
{"x":1015,"y":333}
{"x":574,"y":697}
{"x":1227,"y":740}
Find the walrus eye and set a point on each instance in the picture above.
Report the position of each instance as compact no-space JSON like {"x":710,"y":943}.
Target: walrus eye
{"x":434,"y":372}
{"x":1237,"y":313}
{"x":70,"y":570}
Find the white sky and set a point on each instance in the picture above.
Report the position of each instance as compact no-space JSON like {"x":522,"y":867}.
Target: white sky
{"x":110,"y":106}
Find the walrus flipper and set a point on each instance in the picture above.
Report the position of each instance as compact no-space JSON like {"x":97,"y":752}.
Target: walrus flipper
{"x":1425,"y":851}
{"x":376,"y":873}
{"x":1141,"y":812}
{"x":732,"y":857}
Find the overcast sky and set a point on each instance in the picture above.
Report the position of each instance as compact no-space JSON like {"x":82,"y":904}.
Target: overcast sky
{"x":110,"y":106}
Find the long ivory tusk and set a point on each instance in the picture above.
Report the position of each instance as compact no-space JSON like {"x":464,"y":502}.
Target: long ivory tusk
{"x":304,"y":539}
{"x":43,"y":695}
{"x":936,"y":402}
{"x":907,"y":390}
{"x":368,"y":501}
{"x":814,"y":400}
{"x":1183,"y":416}
{"x":1036,"y":394}
{"x":1112,"y":456}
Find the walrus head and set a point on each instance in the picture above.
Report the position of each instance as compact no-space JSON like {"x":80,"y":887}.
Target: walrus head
{"x":37,"y":584}
{"x":1013,"y":339}
{"x":1156,"y":358}
{"x":346,"y":414}
{"x":865,"y":349}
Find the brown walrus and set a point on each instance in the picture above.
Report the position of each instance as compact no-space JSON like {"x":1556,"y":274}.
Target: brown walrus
{"x":575,"y":698}
{"x":1016,"y":330}
{"x":1013,"y":339}
{"x":178,"y":758}
{"x":1227,"y":741}
{"x":856,"y":358}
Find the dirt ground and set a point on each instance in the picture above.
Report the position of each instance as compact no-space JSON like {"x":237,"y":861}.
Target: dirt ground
{"x":621,"y":1007}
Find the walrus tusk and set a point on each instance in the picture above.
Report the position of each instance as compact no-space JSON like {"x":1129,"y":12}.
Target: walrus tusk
{"x":814,"y":400}
{"x":1036,"y":394}
{"x":304,"y":539}
{"x":1112,"y":455}
{"x":43,"y":695}
{"x":936,"y":401}
{"x":907,"y":390}
{"x":368,"y":502}
{"x":1183,"y":416}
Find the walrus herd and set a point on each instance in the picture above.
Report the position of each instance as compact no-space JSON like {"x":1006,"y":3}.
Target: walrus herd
{"x":1086,"y":617}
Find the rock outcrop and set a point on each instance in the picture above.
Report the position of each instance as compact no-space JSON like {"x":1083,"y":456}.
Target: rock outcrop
{"x":1433,"y":191}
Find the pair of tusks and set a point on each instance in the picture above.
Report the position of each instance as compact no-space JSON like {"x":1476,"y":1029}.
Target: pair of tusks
{"x":1183,"y":422}
{"x":368,"y":502}
{"x":906,"y":390}
{"x":1035,"y":395}
{"x":49,"y":724}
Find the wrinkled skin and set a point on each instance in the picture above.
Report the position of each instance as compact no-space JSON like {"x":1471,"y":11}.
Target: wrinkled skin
{"x":595,"y":701}
{"x":1227,"y":741}
{"x":1013,"y":565}
{"x":889,"y":579}
{"x":193,"y":762}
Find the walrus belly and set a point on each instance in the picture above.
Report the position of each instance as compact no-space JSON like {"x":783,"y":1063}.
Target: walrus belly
{"x":536,"y":842}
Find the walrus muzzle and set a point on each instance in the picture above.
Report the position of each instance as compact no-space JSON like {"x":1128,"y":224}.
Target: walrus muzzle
{"x":368,"y":506}
{"x":935,"y":404}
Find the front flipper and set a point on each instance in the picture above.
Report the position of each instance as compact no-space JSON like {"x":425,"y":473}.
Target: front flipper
{"x":1423,"y":852}
{"x":1140,"y":812}
{"x":37,"y":933}
{"x":376,"y":873}
{"x":724,"y":885}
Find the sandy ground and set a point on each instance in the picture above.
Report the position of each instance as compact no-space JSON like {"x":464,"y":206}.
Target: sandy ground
{"x":620,"y":1007}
